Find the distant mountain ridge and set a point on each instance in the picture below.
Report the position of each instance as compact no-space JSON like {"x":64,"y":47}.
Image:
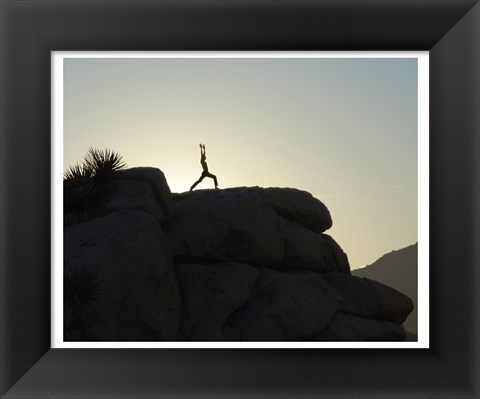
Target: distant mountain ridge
{"x":399,"y":270}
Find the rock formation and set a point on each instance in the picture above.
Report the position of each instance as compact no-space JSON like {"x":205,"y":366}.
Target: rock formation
{"x":397,"y":269}
{"x":240,"y":264}
{"x":273,"y":227}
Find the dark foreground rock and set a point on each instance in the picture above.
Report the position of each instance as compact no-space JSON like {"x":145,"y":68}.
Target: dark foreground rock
{"x":240,"y":264}
{"x":211,"y":293}
{"x":120,"y":271}
{"x":236,"y":302}
{"x":284,"y":307}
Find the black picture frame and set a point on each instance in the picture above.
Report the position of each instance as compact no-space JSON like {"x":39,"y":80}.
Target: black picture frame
{"x":30,"y":30}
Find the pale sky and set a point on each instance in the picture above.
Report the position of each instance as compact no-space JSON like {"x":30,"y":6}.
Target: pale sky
{"x":344,"y":130}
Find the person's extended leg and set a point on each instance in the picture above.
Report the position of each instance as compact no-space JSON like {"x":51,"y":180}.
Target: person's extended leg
{"x":214,"y":179}
{"x":197,"y":182}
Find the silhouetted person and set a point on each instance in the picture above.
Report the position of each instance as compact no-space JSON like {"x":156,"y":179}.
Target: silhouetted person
{"x":205,"y":172}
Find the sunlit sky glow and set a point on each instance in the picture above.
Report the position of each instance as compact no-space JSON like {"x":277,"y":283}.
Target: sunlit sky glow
{"x":343,"y":129}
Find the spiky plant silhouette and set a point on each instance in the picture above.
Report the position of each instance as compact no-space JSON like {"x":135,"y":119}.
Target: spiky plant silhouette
{"x":81,"y":288}
{"x":89,"y":185}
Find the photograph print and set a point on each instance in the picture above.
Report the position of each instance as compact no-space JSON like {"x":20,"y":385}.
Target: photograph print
{"x":241,"y":200}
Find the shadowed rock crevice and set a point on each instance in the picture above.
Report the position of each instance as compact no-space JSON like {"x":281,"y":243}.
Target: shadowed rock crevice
{"x":337,"y":254}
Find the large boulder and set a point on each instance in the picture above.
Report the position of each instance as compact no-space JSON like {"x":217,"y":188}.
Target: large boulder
{"x":133,"y":194}
{"x":298,"y":306}
{"x":285,"y":307}
{"x":155,"y":178}
{"x":297,"y":206}
{"x":371,"y":299}
{"x":278,"y":228}
{"x":120,"y":284}
{"x":211,"y":293}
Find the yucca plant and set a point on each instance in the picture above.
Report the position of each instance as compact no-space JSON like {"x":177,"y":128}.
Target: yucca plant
{"x":104,"y":164}
{"x":89,"y":186}
{"x":81,"y":288}
{"x":79,"y":191}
